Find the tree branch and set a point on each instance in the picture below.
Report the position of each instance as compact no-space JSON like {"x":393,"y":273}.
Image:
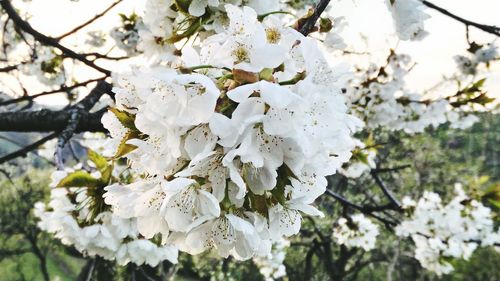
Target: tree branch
{"x":75,"y":114}
{"x":88,"y":22}
{"x":63,"y":88}
{"x":46,"y":120}
{"x":365,"y":210}
{"x":45,"y":40}
{"x":308,"y":25}
{"x":393,"y":169}
{"x":386,"y":191}
{"x":23,"y":151}
{"x":486,"y":28}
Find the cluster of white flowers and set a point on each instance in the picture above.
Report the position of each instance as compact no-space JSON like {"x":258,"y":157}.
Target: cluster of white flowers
{"x":68,"y":216}
{"x":363,"y":161}
{"x":380,"y":98}
{"x":409,"y":17}
{"x":271,"y":266}
{"x":356,"y":231}
{"x":468,"y":65}
{"x":47,"y":67}
{"x":126,"y":36}
{"x":229,"y":139}
{"x":230,"y":158}
{"x":167,"y":22}
{"x":445,"y":231}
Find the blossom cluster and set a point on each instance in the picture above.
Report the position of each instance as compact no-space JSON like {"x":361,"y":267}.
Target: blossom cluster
{"x":356,"y":231}
{"x":379,"y":97}
{"x":271,"y":266}
{"x":69,"y":216}
{"x":230,"y":155}
{"x":166,"y":22}
{"x":468,"y":65}
{"x":409,"y":17}
{"x":362,"y":161}
{"x":445,"y":231}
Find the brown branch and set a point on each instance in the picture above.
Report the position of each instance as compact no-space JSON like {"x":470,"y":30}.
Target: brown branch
{"x":486,"y":28}
{"x":88,"y":22}
{"x":45,"y":40}
{"x":307,"y":26}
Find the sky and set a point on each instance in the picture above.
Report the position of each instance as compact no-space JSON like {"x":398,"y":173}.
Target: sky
{"x":371,"y":18}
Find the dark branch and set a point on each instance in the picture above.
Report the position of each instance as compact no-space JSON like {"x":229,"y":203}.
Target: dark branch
{"x":23,"y":151}
{"x":65,"y":136}
{"x":75,"y":114}
{"x":45,"y":40}
{"x":486,"y":28}
{"x":48,"y":121}
{"x":9,"y":68}
{"x":307,"y":26}
{"x":386,"y":191}
{"x":89,"y":21}
{"x":93,"y":97}
{"x":393,"y":169}
{"x":63,"y":88}
{"x":365,"y":210}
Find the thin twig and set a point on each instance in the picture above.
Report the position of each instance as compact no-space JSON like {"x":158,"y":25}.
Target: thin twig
{"x":486,"y":28}
{"x":45,"y":40}
{"x":28,"y":148}
{"x":385,"y":170}
{"x":88,"y":22}
{"x":362,"y":209}
{"x":63,"y":88}
{"x":385,"y":190}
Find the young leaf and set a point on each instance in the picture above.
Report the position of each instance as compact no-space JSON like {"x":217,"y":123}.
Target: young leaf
{"x":125,"y":118}
{"x":100,"y":161}
{"x":125,"y":148}
{"x":79,"y":179}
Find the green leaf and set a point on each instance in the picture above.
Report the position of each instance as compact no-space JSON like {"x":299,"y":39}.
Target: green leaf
{"x":266,"y":74}
{"x":106,"y":174}
{"x":79,"y":179}
{"x":126,"y":119}
{"x":495,"y":203}
{"x":100,"y":161}
{"x":125,"y":148}
{"x":360,"y":156}
{"x":325,"y":25}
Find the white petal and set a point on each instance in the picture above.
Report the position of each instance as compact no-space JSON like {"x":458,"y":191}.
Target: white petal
{"x":307,"y":209}
{"x":276,"y":95}
{"x":208,"y":204}
{"x":197,"y":8}
{"x":241,"y":93}
{"x":149,"y":226}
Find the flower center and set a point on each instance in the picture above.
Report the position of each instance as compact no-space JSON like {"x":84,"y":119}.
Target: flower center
{"x":273,"y":35}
